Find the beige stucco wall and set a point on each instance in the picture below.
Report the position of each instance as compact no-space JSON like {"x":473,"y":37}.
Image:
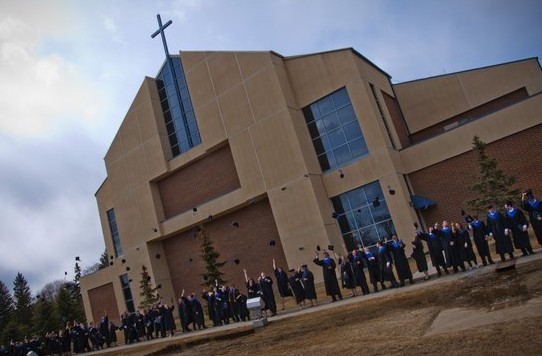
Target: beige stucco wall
{"x":426,"y":102}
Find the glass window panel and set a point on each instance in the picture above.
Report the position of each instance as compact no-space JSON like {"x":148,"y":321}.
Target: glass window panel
{"x":173,"y":139}
{"x":358,"y":148}
{"x":192,"y":127}
{"x":165,"y":105}
{"x":309,"y":113}
{"x":326,"y":143}
{"x":184,"y":146}
{"x":338,"y":204}
{"x":341,"y":98}
{"x":363,"y":217}
{"x":352,"y":131}
{"x":325,"y":105}
{"x":381,"y":212}
{"x":170,"y":127}
{"x":347,"y":114}
{"x":369,"y":236}
{"x":326,"y":162}
{"x":167,"y":116}
{"x":319,"y":145}
{"x":160,"y":84}
{"x":190,"y":118}
{"x":342,"y":155}
{"x":187,"y":105}
{"x":344,"y":224}
{"x":372,"y":190}
{"x":313,"y":129}
{"x":336,"y":138}
{"x":320,"y":126}
{"x":175,"y":151}
{"x":351,"y":221}
{"x":385,"y":229}
{"x":331,"y":122}
{"x":184,"y":92}
{"x":356,"y":198}
{"x":196,"y":140}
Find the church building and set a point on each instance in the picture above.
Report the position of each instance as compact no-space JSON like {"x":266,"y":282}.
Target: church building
{"x":275,"y":156}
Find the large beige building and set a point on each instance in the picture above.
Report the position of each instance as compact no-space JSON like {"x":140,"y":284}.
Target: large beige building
{"x":276,"y":155}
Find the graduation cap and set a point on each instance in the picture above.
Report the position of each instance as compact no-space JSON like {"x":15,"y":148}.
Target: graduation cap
{"x":318,"y":248}
{"x":391,"y":191}
{"x":159,"y":286}
{"x":130,"y":280}
{"x":194,"y":209}
{"x":123,"y":260}
{"x":330,"y":247}
{"x":463,"y":212}
{"x":272,"y":243}
{"x":376,"y":202}
{"x":65,"y":273}
{"x":111,"y":257}
{"x":304,"y":266}
{"x":157,"y":255}
{"x":341,"y":175}
{"x":190,"y":259}
{"x":77,"y":258}
{"x":235,"y":224}
{"x":111,"y":263}
{"x":127,"y":268}
{"x":236,"y":261}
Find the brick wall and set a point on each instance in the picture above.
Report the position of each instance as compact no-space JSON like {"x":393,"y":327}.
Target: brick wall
{"x":202,"y":181}
{"x":249,"y":243}
{"x":102,"y":300}
{"x":473,"y":114}
{"x":448,"y":182}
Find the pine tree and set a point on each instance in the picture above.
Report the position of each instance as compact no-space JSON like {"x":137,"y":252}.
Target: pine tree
{"x":148,"y":293}
{"x":68,"y":306}
{"x":104,"y":260}
{"x":45,"y":317}
{"x":23,"y":300}
{"x":492,"y":186}
{"x":212,"y":275}
{"x":6,"y":308}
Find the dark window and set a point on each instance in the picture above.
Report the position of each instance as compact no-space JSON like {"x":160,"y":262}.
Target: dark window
{"x":180,"y":121}
{"x":127,"y":292}
{"x":335,"y":130}
{"x":363,"y":216}
{"x":113,"y":228}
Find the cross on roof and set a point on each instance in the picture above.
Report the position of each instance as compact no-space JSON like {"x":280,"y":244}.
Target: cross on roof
{"x":160,"y":31}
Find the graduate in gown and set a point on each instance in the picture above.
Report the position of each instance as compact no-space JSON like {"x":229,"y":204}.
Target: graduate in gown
{"x":307,"y":280}
{"x":359,"y":265}
{"x":457,"y":248}
{"x":294,"y":282}
{"x":496,"y":225}
{"x":266,"y":291}
{"x":348,"y":276}
{"x":436,"y":251}
{"x":418,"y":254}
{"x":533,"y":207}
{"x":517,"y":224}
{"x":385,"y":265}
{"x":330,"y":278}
{"x":479,"y":235}
{"x":397,"y":249}
{"x":445,"y":234}
{"x":470,"y":257}
{"x":282,"y":283}
{"x":197,"y":312}
{"x":372,"y":266}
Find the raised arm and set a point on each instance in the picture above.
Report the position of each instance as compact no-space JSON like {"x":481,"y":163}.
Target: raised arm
{"x":246,"y":276}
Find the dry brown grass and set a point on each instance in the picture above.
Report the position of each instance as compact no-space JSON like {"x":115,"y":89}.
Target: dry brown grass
{"x":394,"y":324}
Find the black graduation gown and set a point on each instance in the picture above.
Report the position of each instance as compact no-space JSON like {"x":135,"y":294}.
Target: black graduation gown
{"x":330,"y":278}
{"x":469,"y":251}
{"x":348,"y":276}
{"x":418,"y":254}
{"x":185,"y":313}
{"x":296,"y":287}
{"x":266,"y":289}
{"x":457,"y":250}
{"x":307,"y":279}
{"x":385,"y":264}
{"x":400,"y":260}
{"x":359,"y":264}
{"x":515,"y":221}
{"x":434,"y":244}
{"x":282,"y":283}
{"x":533,"y":207}
{"x":479,"y":232}
{"x":496,"y":224}
{"x":445,"y":235}
{"x":197,"y":312}
{"x":372,"y":266}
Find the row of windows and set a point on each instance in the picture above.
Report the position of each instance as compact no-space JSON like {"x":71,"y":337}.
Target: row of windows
{"x":181,"y":125}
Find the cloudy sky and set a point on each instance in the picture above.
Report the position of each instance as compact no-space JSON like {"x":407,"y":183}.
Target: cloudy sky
{"x":70,"y":69}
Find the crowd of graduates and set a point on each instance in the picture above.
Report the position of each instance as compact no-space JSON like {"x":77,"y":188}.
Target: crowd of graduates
{"x":451,"y":248}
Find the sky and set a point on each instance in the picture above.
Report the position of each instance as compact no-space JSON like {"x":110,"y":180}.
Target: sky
{"x":69,"y":70}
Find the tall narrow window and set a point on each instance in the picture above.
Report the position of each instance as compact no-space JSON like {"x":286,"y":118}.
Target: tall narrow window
{"x":127,"y":292}
{"x":335,"y":130}
{"x":113,"y":228}
{"x":181,"y":125}
{"x":363,"y":216}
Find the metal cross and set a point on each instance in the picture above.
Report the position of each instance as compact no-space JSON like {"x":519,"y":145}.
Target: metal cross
{"x":160,"y":31}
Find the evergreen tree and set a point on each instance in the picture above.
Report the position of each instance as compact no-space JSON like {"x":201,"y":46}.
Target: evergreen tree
{"x":45,"y":317}
{"x":104,"y":260}
{"x":212,"y":275}
{"x":147,"y":293}
{"x":492,"y":186}
{"x":23,"y":300}
{"x":68,"y":306}
{"x":6,"y":309}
